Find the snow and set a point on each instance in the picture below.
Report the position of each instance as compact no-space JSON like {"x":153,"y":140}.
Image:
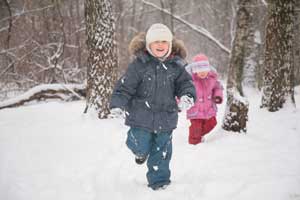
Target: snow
{"x":257,"y":37}
{"x":164,"y":66}
{"x":147,"y":104}
{"x":50,"y":151}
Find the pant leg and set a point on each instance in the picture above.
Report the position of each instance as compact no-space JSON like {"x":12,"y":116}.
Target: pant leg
{"x":208,"y":125}
{"x":139,"y":141}
{"x":159,"y":159}
{"x":195,"y":131}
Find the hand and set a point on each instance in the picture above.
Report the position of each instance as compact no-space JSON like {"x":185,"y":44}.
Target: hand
{"x":185,"y":103}
{"x":217,"y":100}
{"x":117,"y":113}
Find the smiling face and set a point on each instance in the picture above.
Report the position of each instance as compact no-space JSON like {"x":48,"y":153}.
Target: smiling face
{"x":159,"y":48}
{"x":202,"y":74}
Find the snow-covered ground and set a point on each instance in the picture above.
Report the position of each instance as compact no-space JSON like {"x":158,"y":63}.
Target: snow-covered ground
{"x":51,"y":151}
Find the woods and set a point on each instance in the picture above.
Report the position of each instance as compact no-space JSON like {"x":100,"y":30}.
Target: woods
{"x":149,"y":99}
{"x":250,"y":43}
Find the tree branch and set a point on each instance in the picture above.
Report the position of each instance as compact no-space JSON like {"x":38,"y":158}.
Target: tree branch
{"x":14,"y":62}
{"x":200,"y":30}
{"x":45,"y":92}
{"x":26,"y":12}
{"x":264,"y":2}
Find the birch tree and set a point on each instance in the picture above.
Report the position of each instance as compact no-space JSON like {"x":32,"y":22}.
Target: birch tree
{"x":102,"y":59}
{"x":236,"y":114}
{"x":254,"y":46}
{"x":278,"y":72}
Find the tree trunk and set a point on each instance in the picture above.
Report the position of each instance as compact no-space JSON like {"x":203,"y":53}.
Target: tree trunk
{"x":172,"y":4}
{"x":278,"y":73}
{"x":8,"y":61}
{"x":253,"y":47}
{"x":77,"y":26}
{"x":236,"y":114}
{"x":163,"y":17}
{"x":296,"y":44}
{"x":102,"y":59}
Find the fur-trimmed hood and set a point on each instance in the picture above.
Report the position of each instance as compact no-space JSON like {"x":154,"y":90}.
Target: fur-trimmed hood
{"x":138,"y":45}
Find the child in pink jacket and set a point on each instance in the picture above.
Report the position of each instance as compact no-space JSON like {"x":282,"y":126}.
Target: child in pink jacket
{"x":209,"y":93}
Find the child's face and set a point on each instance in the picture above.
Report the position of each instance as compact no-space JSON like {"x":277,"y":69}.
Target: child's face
{"x":202,"y":74}
{"x":159,"y":48}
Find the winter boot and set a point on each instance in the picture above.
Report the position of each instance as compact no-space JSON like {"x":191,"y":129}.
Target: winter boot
{"x":140,"y":159}
{"x":161,"y":187}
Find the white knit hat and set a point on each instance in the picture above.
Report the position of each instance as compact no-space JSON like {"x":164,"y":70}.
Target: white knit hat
{"x":159,"y":32}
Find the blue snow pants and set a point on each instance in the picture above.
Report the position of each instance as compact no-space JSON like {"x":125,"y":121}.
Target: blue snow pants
{"x":158,"y":148}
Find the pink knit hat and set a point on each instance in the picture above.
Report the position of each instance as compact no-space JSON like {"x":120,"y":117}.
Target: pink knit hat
{"x":200,"y":64}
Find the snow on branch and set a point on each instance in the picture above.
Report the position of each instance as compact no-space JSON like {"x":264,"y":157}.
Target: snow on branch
{"x":264,"y":2}
{"x":14,"y":62}
{"x":26,"y":12}
{"x":193,"y":27}
{"x":64,"y":92}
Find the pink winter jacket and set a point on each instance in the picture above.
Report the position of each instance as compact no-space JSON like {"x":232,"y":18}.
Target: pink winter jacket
{"x":206,"y":90}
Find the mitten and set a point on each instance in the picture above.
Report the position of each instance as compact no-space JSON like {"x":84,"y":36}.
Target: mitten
{"x":116,"y":113}
{"x":185,"y":103}
{"x":217,"y":100}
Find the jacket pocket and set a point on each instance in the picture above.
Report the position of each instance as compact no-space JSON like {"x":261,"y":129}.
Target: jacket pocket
{"x":139,"y":113}
{"x":168,"y":120}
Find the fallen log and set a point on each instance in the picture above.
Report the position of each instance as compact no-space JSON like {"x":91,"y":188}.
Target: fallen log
{"x":62,"y":92}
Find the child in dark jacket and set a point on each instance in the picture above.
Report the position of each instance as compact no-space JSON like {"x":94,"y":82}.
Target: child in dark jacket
{"x":147,"y":94}
{"x":209,"y":93}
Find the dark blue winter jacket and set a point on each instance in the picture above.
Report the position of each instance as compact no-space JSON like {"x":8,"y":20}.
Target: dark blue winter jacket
{"x":148,"y":89}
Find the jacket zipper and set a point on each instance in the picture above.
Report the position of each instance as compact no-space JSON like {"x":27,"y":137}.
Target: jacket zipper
{"x":154,"y":99}
{"x":204,"y":95}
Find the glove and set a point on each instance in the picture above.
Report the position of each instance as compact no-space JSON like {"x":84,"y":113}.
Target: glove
{"x":117,"y":113}
{"x":217,"y":100}
{"x":185,"y":103}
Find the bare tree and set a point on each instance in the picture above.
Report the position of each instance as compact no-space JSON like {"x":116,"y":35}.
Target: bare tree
{"x":102,"y":59}
{"x":9,"y":24}
{"x":198,"y":29}
{"x":41,"y":42}
{"x":254,"y":45}
{"x":77,"y":25}
{"x":6,"y":43}
{"x":278,"y":84}
{"x":236,"y":114}
{"x":296,"y":44}
{"x":172,"y":4}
